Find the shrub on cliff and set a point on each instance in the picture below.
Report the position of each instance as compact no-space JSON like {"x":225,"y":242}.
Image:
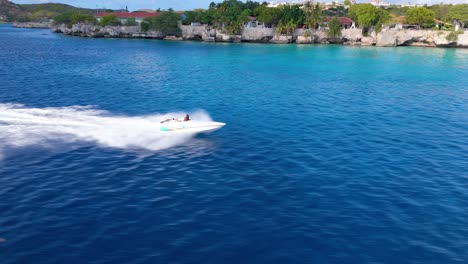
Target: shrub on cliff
{"x":109,"y":20}
{"x":144,"y":26}
{"x":167,"y":23}
{"x":193,"y":16}
{"x":420,"y":16}
{"x":334,"y":28}
{"x":73,"y":18}
{"x":453,"y":36}
{"x":131,"y":22}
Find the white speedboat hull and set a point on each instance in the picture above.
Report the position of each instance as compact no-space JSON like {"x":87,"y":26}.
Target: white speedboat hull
{"x":191,"y":127}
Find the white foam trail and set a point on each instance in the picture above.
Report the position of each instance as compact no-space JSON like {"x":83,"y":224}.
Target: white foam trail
{"x":21,"y":126}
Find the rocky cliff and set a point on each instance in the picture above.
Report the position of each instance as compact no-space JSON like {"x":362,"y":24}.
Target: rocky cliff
{"x":93,"y":31}
{"x":8,"y":11}
{"x":385,"y":38}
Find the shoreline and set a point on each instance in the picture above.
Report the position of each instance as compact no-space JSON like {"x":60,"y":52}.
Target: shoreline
{"x":352,"y":37}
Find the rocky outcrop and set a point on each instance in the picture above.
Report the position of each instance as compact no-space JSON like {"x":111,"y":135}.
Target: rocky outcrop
{"x":197,"y":33}
{"x":9,"y":11}
{"x":257,"y":34}
{"x":432,"y":38}
{"x":93,"y":31}
{"x":280,"y":39}
{"x":32,"y":24}
{"x":385,"y":38}
{"x":224,"y":37}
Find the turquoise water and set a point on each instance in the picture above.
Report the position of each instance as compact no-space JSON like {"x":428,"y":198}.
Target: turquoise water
{"x":331,"y":154}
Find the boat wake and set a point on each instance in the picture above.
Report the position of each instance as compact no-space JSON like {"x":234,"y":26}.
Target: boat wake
{"x":21,"y":126}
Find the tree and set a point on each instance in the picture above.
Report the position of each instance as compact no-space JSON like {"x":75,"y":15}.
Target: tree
{"x":131,"y":22}
{"x":441,"y":11}
{"x":109,"y":20}
{"x":334,"y":28}
{"x":367,"y":15}
{"x":144,"y":26}
{"x":167,"y":23}
{"x":72,"y":18}
{"x":459,"y":12}
{"x":268,"y":15}
{"x":290,"y":27}
{"x":313,"y":16}
{"x":420,"y":16}
{"x":279,"y":28}
{"x":193,"y":16}
{"x":294,"y":13}
{"x":347,"y":3}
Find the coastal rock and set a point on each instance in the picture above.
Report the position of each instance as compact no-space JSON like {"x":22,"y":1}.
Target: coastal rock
{"x":279,"y":39}
{"x":432,"y":38}
{"x":223,"y":37}
{"x":257,"y":34}
{"x":368,"y":41}
{"x":32,"y":24}
{"x":93,"y":31}
{"x":320,"y":36}
{"x":173,"y":38}
{"x":462,"y":39}
{"x":197,"y":33}
{"x":385,"y":38}
{"x":352,"y":36}
{"x":304,"y":40}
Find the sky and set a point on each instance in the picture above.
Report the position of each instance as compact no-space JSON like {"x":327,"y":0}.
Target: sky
{"x":189,"y":4}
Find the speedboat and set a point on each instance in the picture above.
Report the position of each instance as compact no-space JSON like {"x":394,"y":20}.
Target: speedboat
{"x":178,"y":125}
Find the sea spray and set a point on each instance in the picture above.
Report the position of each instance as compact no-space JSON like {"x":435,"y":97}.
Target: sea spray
{"x":21,"y":126}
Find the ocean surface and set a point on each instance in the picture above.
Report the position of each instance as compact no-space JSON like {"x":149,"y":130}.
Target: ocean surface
{"x":331,"y":154}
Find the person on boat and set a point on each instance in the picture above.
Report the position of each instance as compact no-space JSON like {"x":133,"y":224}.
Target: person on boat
{"x":186,"y":118}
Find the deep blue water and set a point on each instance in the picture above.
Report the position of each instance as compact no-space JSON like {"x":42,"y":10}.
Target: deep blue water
{"x":331,"y":154}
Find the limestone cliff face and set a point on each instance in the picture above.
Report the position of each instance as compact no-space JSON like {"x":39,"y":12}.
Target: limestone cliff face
{"x":197,"y":33}
{"x":385,"y":38}
{"x":257,"y":34}
{"x":93,"y":31}
{"x":431,"y":38}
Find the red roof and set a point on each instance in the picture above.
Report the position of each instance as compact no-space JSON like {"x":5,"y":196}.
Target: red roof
{"x":343,"y":20}
{"x":129,"y":14}
{"x":252,"y":18}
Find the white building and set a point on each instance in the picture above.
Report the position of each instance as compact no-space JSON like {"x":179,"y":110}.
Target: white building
{"x":379,"y":3}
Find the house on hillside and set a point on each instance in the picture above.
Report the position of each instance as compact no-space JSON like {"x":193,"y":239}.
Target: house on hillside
{"x":252,"y":23}
{"x":345,"y":22}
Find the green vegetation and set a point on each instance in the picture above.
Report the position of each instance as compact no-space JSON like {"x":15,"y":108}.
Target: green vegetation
{"x":334,"y":28}
{"x":453,"y":36}
{"x":166,"y":22}
{"x":367,"y":15}
{"x":109,"y":20}
{"x":269,"y":16}
{"x":313,"y":15}
{"x":144,"y":26}
{"x":420,"y":16}
{"x":39,"y":12}
{"x":231,"y":15}
{"x":72,"y":18}
{"x":459,"y":12}
{"x":131,"y":22}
